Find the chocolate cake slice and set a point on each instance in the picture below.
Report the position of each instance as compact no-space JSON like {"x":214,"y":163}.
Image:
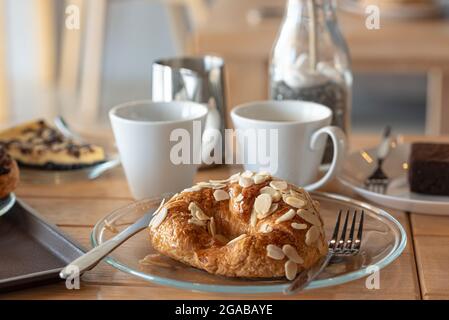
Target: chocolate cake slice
{"x":37,"y":145}
{"x":429,"y":168}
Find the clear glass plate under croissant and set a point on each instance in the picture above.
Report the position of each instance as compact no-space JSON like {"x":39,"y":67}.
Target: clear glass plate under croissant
{"x":384,"y":240}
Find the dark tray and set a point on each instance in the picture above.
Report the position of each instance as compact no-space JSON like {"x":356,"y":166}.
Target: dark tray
{"x":32,"y":251}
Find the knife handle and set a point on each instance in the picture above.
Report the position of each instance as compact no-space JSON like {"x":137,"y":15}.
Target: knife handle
{"x":94,"y":256}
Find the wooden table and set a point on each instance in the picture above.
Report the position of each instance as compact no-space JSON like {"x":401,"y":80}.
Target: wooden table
{"x":399,"y":46}
{"x":421,"y":272}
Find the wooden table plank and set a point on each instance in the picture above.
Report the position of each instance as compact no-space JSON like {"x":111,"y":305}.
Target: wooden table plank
{"x":70,"y":212}
{"x":429,"y":225}
{"x":431,"y":242}
{"x":112,"y":185}
{"x":432,"y":255}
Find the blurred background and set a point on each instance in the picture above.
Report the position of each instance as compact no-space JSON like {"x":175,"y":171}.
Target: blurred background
{"x":53,"y":63}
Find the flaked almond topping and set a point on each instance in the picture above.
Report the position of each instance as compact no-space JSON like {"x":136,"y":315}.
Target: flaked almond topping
{"x":221,"y":195}
{"x":263,"y":203}
{"x":253,"y":218}
{"x":264,"y":173}
{"x":265,"y":228}
{"x":312,"y":235}
{"x":274,"y":252}
{"x":275,"y":195}
{"x":299,"y":226}
{"x":279,"y":184}
{"x":160,"y":207}
{"x":290,"y":214}
{"x":210,"y":185}
{"x":149,"y":258}
{"x":204,"y":184}
{"x":235,"y":177}
{"x":197,"y":222}
{"x":211,"y":227}
{"x":321,"y":230}
{"x":154,"y":259}
{"x":273,"y":208}
{"x":192,"y":189}
{"x":291,"y":269}
{"x":309,"y":217}
{"x":218,"y":186}
{"x":259,"y":179}
{"x":292,"y":254}
{"x":219,"y":181}
{"x":247,"y":174}
{"x":295,"y":194}
{"x":295,"y":202}
{"x":192,"y":206}
{"x":221,"y":238}
{"x":174,"y":203}
{"x":200,"y":215}
{"x":245,"y":182}
{"x":240,"y":237}
{"x":322,"y":248}
{"x":159,"y":218}
{"x":172,"y":199}
{"x":239,"y":198}
{"x":197,"y":212}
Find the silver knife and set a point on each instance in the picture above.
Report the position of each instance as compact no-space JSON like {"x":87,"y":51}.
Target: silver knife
{"x":307,"y":276}
{"x":94,"y":256}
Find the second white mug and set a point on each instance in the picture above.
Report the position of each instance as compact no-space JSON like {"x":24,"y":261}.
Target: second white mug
{"x":298,"y":132}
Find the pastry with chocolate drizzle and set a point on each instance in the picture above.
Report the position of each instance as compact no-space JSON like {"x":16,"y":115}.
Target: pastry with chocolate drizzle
{"x":9,"y":174}
{"x":37,"y":145}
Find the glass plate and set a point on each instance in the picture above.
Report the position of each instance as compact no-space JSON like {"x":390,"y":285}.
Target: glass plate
{"x":37,"y":176}
{"x":7,"y":203}
{"x":384,"y":240}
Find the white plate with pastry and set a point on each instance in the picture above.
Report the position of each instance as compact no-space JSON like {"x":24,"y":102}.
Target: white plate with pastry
{"x":243,"y":236}
{"x":398,"y":195}
{"x":45,"y":155}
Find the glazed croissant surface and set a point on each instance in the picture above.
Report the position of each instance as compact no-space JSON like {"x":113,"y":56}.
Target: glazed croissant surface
{"x":250,"y":225}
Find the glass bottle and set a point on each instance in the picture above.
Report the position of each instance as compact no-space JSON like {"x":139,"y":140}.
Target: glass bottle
{"x":310,"y":61}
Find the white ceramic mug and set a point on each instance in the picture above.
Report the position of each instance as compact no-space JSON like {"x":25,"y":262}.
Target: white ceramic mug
{"x":143,"y":131}
{"x":302,"y":129}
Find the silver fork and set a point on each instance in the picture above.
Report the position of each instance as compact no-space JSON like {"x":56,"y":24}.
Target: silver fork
{"x":378,"y":181}
{"x":338,"y":247}
{"x":64,"y":128}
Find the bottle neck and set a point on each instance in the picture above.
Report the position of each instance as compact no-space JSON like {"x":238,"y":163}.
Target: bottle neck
{"x":301,"y":8}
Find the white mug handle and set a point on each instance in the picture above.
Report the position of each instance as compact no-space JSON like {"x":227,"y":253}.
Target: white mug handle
{"x":339,"y":141}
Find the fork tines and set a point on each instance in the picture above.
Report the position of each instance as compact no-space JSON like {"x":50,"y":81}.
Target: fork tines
{"x":377,"y":185}
{"x":347,"y":245}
